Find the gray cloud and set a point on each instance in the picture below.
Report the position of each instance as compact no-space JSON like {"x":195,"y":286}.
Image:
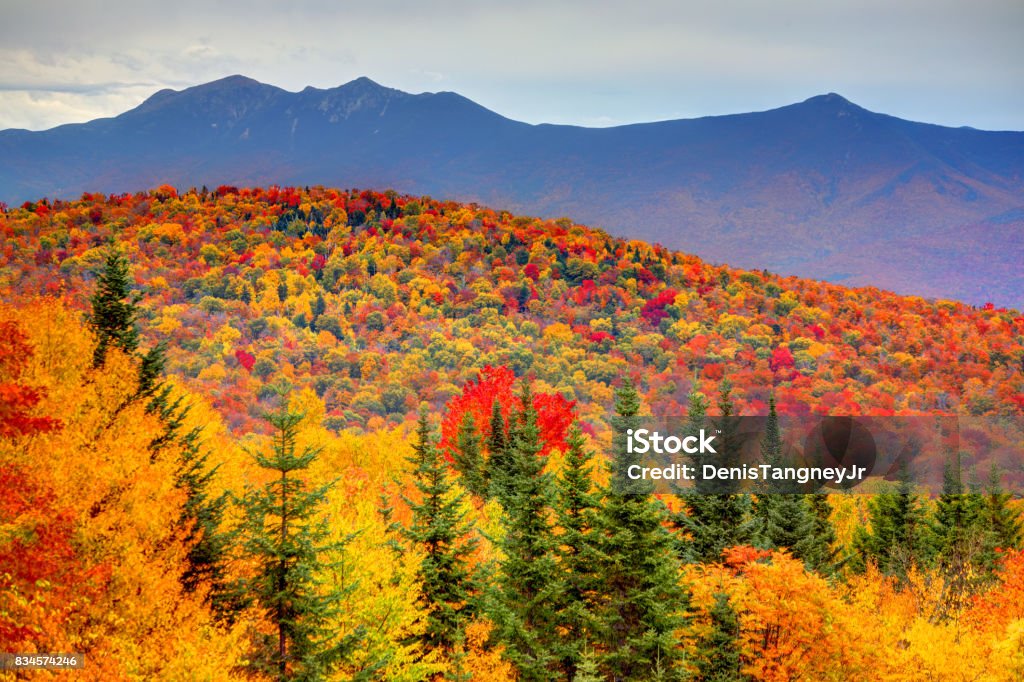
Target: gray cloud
{"x":596,"y":62}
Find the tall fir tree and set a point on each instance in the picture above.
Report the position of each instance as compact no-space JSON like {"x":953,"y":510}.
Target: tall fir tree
{"x":821,"y":553}
{"x":287,"y":539}
{"x":587,"y":670}
{"x":642,"y":601}
{"x":439,"y":529}
{"x":785,"y":519}
{"x":528,"y":592}
{"x":1000,"y":523}
{"x":114,"y":310}
{"x":897,"y":535}
{"x":957,"y":537}
{"x":717,"y":516}
{"x":467,"y":456}
{"x":576,"y":506}
{"x":499,"y":459}
{"x":718,"y":652}
{"x":955,"y":523}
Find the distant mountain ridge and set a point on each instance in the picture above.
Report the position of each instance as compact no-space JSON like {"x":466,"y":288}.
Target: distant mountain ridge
{"x":822,"y":188}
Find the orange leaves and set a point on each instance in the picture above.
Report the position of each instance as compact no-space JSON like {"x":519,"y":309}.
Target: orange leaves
{"x":1004,"y":603}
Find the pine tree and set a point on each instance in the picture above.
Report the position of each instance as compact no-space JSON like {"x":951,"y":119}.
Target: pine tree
{"x":587,"y":670}
{"x":284,"y":535}
{"x":499,"y":464}
{"x":528,"y":584}
{"x":717,"y":516}
{"x":642,"y":601}
{"x":819,"y":554}
{"x":468,"y":456}
{"x":202,"y":516}
{"x":956,"y":516}
{"x":718,"y":653}
{"x":956,"y":536}
{"x":785,"y":519}
{"x":897,"y":536}
{"x":576,"y":507}
{"x":114,"y":309}
{"x":1000,"y":524}
{"x":439,"y":529}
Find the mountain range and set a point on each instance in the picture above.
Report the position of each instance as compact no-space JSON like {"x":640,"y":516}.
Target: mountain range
{"x":822,"y":188}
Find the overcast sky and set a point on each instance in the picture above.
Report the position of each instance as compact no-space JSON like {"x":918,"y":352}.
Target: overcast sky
{"x":589,"y":62}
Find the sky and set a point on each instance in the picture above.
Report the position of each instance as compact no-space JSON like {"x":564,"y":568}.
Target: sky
{"x":592,"y":62}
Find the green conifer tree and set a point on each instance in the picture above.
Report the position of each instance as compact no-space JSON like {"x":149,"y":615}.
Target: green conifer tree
{"x":957,"y":537}
{"x":785,"y":519}
{"x":525,"y":612}
{"x":499,"y":465}
{"x":717,"y":516}
{"x":202,"y":516}
{"x":587,"y":669}
{"x":820,"y":553}
{"x":439,"y":529}
{"x":642,"y":601}
{"x":718,"y":653}
{"x":576,"y":507}
{"x":1000,"y":524}
{"x":283,"y":533}
{"x":897,"y":534}
{"x":467,"y":455}
{"x":114,"y":310}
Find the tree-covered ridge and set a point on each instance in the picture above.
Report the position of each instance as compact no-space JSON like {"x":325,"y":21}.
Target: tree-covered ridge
{"x":381,"y":563}
{"x":377,"y":300}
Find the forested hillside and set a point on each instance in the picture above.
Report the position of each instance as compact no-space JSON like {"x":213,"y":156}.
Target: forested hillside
{"x":319,"y":434}
{"x":379,"y":301}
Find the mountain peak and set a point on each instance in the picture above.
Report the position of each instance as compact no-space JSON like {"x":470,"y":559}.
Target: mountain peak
{"x":232,"y":81}
{"x":832,"y":101}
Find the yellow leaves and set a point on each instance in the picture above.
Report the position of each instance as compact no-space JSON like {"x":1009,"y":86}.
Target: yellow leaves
{"x":730,"y":325}
{"x":558,"y":331}
{"x":214,"y":373}
{"x":683,"y":330}
{"x":1008,"y":652}
{"x":226,"y":336}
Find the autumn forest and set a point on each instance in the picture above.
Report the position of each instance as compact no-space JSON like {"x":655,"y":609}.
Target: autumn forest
{"x":323,"y":434}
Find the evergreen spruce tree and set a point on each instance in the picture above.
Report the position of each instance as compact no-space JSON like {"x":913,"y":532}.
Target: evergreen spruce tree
{"x":819,"y":554}
{"x":956,"y":517}
{"x":717,"y":516}
{"x":642,"y":601}
{"x":897,"y":535}
{"x":525,"y":612}
{"x":1000,"y":524}
{"x":468,"y":458}
{"x":499,"y":464}
{"x":114,"y":308}
{"x":439,"y":529}
{"x":587,"y":670}
{"x":285,"y":536}
{"x":783,"y":514}
{"x":202,"y":516}
{"x":576,"y":506}
{"x":957,"y":537}
{"x":718,"y":653}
